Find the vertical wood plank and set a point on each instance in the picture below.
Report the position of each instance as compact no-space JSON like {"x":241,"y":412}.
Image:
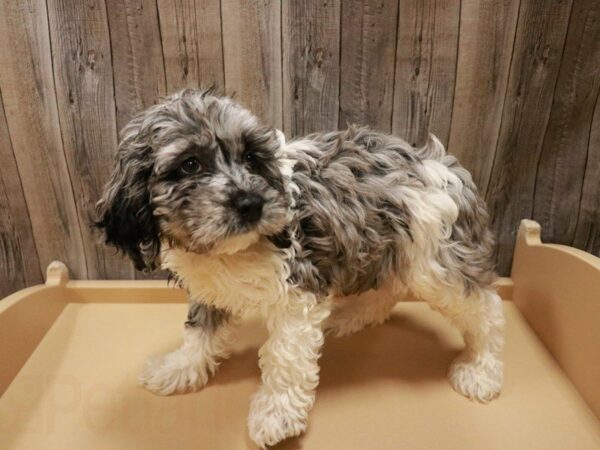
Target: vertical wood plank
{"x":425,"y":69}
{"x":587,"y":231}
{"x":311,"y":65}
{"x":138,"y":66}
{"x":85,"y":97}
{"x":369,"y":37}
{"x":19,"y":262}
{"x":486,"y":36}
{"x":539,"y":42}
{"x":31,"y":112}
{"x":252,"y":49}
{"x":564,"y":153}
{"x":192,"y":44}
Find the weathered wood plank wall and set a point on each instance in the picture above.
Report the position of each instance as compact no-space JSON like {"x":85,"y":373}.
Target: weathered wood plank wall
{"x":311,"y":65}
{"x":538,"y":47}
{"x":30,"y":106}
{"x":426,"y":63}
{"x":369,"y":32}
{"x":510,"y":86}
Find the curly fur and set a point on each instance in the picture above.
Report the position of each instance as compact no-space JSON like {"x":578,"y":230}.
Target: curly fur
{"x":348,"y":222}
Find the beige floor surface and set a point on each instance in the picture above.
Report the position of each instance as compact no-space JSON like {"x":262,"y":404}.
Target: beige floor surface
{"x":384,"y":388}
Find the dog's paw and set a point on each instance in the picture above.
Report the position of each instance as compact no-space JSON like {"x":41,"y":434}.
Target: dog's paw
{"x":477,"y":378}
{"x":275,"y":417}
{"x":173,"y":373}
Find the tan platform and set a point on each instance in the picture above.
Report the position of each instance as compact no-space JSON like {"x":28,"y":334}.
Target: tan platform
{"x":74,"y":386}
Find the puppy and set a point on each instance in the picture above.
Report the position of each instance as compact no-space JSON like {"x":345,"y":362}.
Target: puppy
{"x":298,"y":231}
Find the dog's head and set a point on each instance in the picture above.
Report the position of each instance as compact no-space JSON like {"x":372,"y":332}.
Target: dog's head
{"x":197,"y":171}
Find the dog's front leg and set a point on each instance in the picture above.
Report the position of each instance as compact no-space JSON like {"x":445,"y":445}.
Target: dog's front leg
{"x":290,"y":370}
{"x":207,"y":339}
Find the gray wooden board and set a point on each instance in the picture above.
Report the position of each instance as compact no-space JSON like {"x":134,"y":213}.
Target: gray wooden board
{"x":368,"y":52}
{"x":138,"y":63}
{"x":252,"y":49}
{"x":27,"y":84}
{"x":425,"y":69}
{"x":311,"y":65}
{"x":487,"y":33}
{"x":19,"y":262}
{"x":587,"y":231}
{"x":138,"y":66}
{"x":538,"y":49}
{"x":83,"y":79}
{"x":192,"y":44}
{"x":564,"y":154}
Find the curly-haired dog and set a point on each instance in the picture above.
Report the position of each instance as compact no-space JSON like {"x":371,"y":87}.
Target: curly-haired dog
{"x":245,"y":220}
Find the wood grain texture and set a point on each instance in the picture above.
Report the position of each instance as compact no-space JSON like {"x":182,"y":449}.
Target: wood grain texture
{"x":29,"y":100}
{"x":252,"y":49}
{"x":425,"y":69}
{"x":511,"y":86}
{"x":587,"y":231}
{"x":537,"y":53}
{"x":192,"y":44}
{"x":19,"y":262}
{"x":368,"y":53}
{"x":138,"y":66}
{"x":85,"y":97}
{"x":311,"y":65}
{"x":487,"y":33}
{"x":564,"y":154}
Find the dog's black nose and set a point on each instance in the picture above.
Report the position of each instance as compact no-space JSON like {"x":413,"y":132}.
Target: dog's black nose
{"x":249,"y":206}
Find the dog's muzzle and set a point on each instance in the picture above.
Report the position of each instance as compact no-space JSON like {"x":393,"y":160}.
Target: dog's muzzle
{"x":249,"y":206}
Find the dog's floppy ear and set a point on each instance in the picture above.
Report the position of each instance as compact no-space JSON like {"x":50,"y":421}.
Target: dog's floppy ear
{"x":124,"y":213}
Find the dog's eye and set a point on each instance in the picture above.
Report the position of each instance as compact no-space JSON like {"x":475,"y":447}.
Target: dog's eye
{"x":191,"y":166}
{"x":249,"y":158}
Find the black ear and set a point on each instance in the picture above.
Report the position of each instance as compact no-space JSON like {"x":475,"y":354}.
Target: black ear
{"x":124,"y":213}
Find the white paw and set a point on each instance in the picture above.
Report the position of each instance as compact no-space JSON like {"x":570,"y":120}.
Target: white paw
{"x":477,"y":378}
{"x":173,"y":373}
{"x":273,"y":417}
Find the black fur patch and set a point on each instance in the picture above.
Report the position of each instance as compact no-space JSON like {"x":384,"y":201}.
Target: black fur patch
{"x":125,"y":214}
{"x":281,"y":240}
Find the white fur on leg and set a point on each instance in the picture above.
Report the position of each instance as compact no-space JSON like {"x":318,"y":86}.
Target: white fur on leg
{"x":478,"y":373}
{"x":275,"y":416}
{"x":478,"y":315}
{"x":477,"y":378}
{"x":189,"y":367}
{"x":290,"y":370}
{"x":353,"y":313}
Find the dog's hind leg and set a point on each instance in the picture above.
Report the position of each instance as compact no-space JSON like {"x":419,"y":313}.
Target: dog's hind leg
{"x":353,"y":313}
{"x":478,"y":372}
{"x":207,"y":339}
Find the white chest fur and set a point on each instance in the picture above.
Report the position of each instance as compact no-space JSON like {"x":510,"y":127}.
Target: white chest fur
{"x":250,"y":278}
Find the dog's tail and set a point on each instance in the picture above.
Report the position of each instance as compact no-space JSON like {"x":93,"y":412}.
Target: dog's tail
{"x":433,"y":149}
